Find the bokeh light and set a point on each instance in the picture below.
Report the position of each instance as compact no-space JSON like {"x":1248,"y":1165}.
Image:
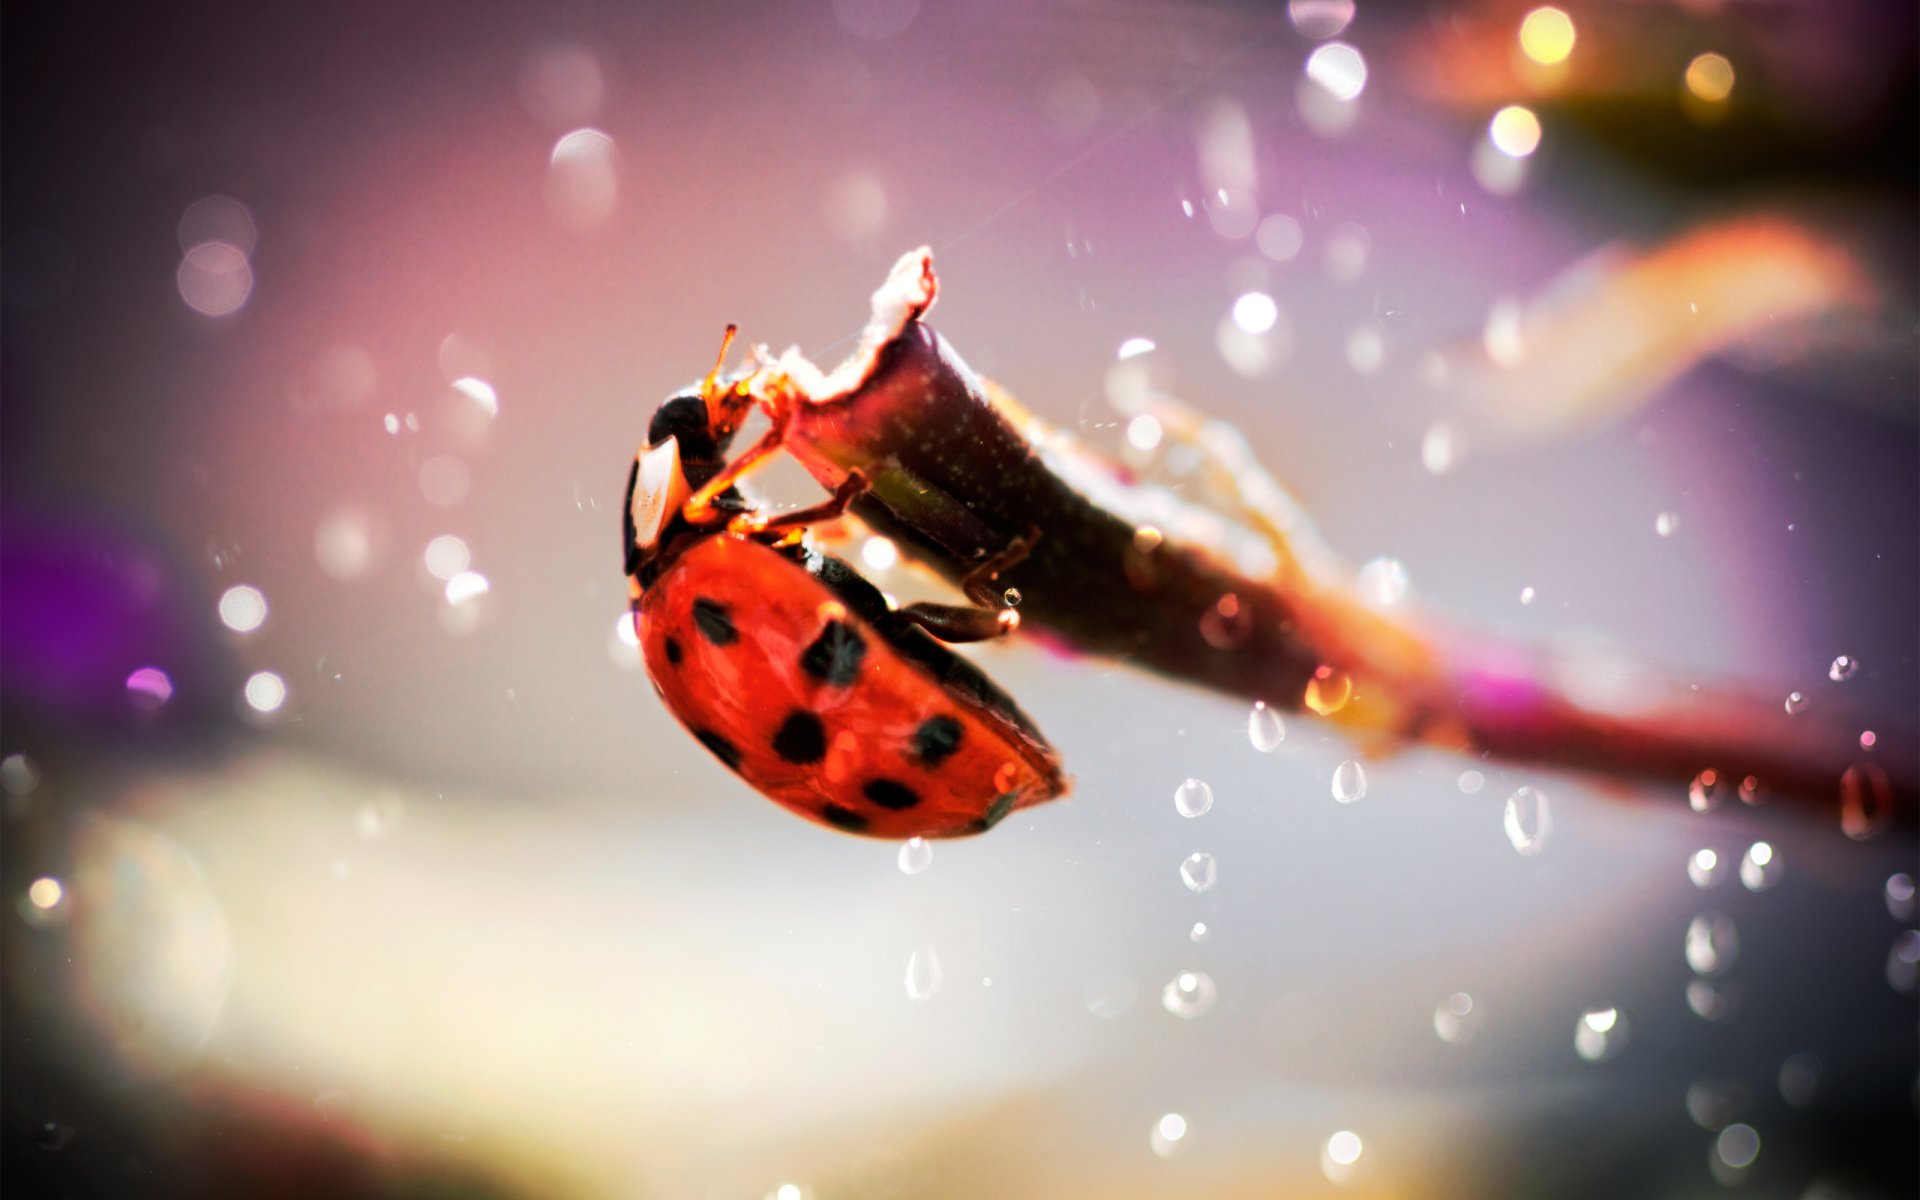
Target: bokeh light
{"x":1515,"y":130}
{"x":215,"y":279}
{"x":1340,"y":69}
{"x":1547,"y":35}
{"x":1710,"y":77}
{"x":243,"y":608}
{"x":265,"y":692}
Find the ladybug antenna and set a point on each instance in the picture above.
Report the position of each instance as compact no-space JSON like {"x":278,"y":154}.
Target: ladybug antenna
{"x":707,"y":392}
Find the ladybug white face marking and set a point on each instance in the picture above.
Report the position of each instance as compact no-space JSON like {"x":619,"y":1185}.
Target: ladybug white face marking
{"x":658,"y":492}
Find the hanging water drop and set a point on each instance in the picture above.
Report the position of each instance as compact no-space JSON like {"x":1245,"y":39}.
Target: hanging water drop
{"x":1712,"y":944}
{"x":1169,"y":1132}
{"x":1900,"y":896}
{"x":1903,"y":962}
{"x":1349,"y":782}
{"x":923,"y":974}
{"x":1712,"y":1001}
{"x":1704,"y":868}
{"x":1328,"y":691}
{"x":1011,"y":597}
{"x":1760,"y":867}
{"x":1866,"y":801}
{"x":1457,"y":1018}
{"x":1264,"y":728}
{"x":1189,"y":994}
{"x":1199,"y":871}
{"x":1707,"y":791}
{"x":1666,"y":523}
{"x":1843,"y":668}
{"x":1199,"y":933}
{"x":916,"y":855}
{"x":1796,"y":703}
{"x":1528,"y":821}
{"x":1192,"y":798}
{"x":1600,"y":1034}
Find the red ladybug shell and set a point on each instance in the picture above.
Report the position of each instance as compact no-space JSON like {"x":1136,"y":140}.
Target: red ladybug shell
{"x":799,"y":680}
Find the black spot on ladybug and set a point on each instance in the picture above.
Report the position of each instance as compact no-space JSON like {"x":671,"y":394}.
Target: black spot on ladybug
{"x":723,"y":749}
{"x":936,"y":739}
{"x":835,"y":655}
{"x":714,"y":621}
{"x":843,"y":818}
{"x":801,"y":738}
{"x":889,"y":794}
{"x":673,"y":651}
{"x":997,"y":811}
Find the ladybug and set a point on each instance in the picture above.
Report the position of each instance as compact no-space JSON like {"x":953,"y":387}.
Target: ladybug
{"x":795,"y":671}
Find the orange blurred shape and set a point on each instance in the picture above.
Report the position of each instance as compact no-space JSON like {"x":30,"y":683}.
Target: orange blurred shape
{"x":1618,"y":326}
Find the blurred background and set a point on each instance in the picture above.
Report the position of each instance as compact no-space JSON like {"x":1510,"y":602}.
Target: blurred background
{"x":348,"y":852}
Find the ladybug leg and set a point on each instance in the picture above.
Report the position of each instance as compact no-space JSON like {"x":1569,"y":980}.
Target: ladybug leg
{"x":699,"y":508}
{"x":977,"y":583}
{"x":959,"y":622}
{"x":850,"y":489}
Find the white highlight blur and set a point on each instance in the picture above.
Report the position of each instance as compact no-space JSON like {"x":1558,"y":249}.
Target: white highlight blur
{"x":583,"y":184}
{"x":243,"y":608}
{"x":215,"y":279}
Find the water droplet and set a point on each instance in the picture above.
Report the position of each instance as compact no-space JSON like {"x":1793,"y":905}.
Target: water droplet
{"x":1903,"y":962}
{"x":1199,"y":933}
{"x":1713,"y":944}
{"x":1665,"y":524}
{"x":1199,"y":871}
{"x":1011,"y":597}
{"x":1753,"y":792}
{"x":1341,"y":1155}
{"x":1707,"y":791}
{"x":1796,"y":703}
{"x":1383,"y":582}
{"x":1264,"y":728}
{"x":1471,"y":782}
{"x":1866,"y":802}
{"x":1189,"y":994}
{"x":1349,"y":782}
{"x":1760,"y":867}
{"x":1227,"y":624}
{"x":1528,"y":821}
{"x":1714,"y":1105}
{"x":1800,"y":1079}
{"x":916,"y":855}
{"x":1868,"y":738}
{"x":1457,"y":1018}
{"x":1737,"y":1146}
{"x":1843,"y":668}
{"x":923,"y":974}
{"x":1600,"y":1034}
{"x":1705,"y":868}
{"x":1192,"y":798}
{"x":149,"y":688}
{"x":1526,"y":595}
{"x":1328,"y":691}
{"x":19,"y":775}
{"x":1712,"y":1001}
{"x":53,"y":1136}
{"x":1168,"y":1134}
{"x":1900,"y":896}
